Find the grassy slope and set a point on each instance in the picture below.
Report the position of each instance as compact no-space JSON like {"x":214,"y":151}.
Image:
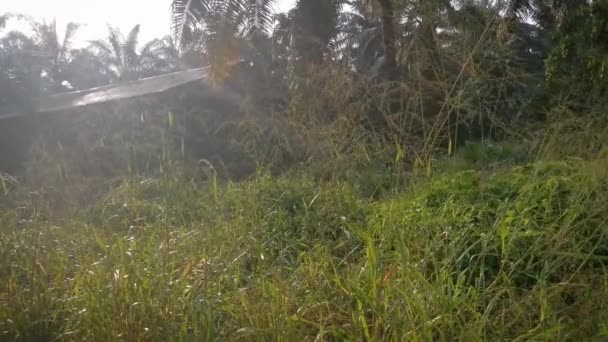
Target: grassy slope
{"x":517,"y":252}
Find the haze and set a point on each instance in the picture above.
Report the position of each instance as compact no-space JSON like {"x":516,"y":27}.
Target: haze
{"x":95,"y":16}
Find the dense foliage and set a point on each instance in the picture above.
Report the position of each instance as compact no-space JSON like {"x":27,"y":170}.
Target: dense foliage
{"x":392,"y":170}
{"x":420,"y":75}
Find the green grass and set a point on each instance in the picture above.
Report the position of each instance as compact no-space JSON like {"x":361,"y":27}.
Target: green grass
{"x":515,"y":253}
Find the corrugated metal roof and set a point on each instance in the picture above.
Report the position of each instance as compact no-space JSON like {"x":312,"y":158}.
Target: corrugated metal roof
{"x":113,"y":92}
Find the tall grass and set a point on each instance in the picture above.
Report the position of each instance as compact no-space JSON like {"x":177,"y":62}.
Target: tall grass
{"x":517,"y":253}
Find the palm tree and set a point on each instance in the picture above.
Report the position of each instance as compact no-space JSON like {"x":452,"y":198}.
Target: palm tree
{"x":44,"y":57}
{"x":210,"y":18}
{"x":314,"y":27}
{"x":87,"y":70}
{"x":307,"y":36}
{"x":55,"y":51}
{"x":221,"y":31}
{"x":224,"y":29}
{"x":54,"y":65}
{"x":124,"y":61}
{"x":20,"y":69}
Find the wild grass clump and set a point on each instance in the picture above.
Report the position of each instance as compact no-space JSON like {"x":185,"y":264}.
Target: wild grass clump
{"x":531,"y":224}
{"x":535,"y":229}
{"x":515,"y":253}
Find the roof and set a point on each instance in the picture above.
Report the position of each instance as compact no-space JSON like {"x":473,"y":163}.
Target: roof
{"x":144,"y":86}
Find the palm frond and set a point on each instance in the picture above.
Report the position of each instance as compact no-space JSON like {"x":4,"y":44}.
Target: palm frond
{"x":150,"y":47}
{"x":233,"y":10}
{"x":260,"y":14}
{"x":45,"y":35}
{"x":101,"y":47}
{"x":129,"y":49}
{"x":115,"y":38}
{"x":70,"y":31}
{"x":132,"y":39}
{"x":186,"y":16}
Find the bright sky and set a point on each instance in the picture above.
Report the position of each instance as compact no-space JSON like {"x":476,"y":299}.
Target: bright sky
{"x":95,"y":15}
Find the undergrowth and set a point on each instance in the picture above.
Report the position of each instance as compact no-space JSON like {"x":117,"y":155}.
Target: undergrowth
{"x":515,"y":252}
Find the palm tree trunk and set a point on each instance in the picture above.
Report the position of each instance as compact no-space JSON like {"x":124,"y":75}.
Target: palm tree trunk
{"x":389,"y":38}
